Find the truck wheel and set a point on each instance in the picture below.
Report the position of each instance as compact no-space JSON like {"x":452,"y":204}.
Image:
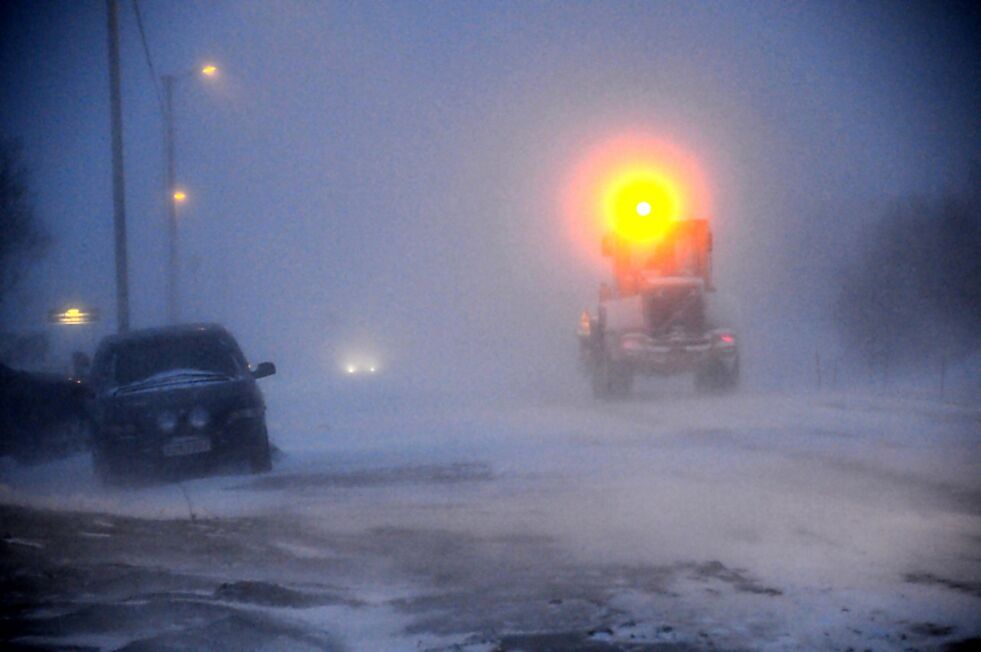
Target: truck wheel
{"x":602,"y":378}
{"x":703,"y":379}
{"x":623,"y":380}
{"x":611,"y":379}
{"x":732,"y":376}
{"x":716,"y":377}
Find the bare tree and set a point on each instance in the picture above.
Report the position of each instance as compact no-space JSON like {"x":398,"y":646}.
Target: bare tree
{"x":915,"y":293}
{"x":23,"y":239}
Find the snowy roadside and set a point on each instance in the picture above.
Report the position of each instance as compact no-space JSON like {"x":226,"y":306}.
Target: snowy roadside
{"x":753,"y":522}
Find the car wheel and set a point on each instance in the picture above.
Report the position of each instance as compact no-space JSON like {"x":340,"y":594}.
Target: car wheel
{"x":260,"y":461}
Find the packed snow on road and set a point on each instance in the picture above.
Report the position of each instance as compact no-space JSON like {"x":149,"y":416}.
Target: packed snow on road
{"x":766,"y":521}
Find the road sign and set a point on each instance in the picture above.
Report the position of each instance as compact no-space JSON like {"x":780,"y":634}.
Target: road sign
{"x":73,"y":316}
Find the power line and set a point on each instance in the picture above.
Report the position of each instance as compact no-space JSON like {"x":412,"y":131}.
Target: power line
{"x":146,"y":52}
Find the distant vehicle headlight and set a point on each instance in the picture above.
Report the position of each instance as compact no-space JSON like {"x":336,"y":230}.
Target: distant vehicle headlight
{"x":199,"y":418}
{"x":167,"y":421}
{"x":360,"y":368}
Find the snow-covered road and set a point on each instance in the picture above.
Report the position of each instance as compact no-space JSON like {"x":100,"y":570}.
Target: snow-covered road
{"x":760,"y":521}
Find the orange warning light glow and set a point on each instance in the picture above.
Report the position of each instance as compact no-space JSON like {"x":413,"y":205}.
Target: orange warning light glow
{"x":640,"y":204}
{"x":634,"y":186}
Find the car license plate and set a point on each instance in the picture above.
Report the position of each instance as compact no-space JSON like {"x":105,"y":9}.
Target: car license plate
{"x":187,"y":446}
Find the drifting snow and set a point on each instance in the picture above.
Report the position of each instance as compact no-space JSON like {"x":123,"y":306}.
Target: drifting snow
{"x":761,"y":521}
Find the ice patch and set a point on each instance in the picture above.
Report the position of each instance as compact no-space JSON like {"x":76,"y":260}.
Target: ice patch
{"x":15,"y":541}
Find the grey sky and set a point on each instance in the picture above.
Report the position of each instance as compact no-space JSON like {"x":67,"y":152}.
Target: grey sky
{"x":390,"y":172}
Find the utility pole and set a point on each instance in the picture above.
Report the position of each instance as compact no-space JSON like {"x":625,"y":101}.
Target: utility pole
{"x":168,"y":90}
{"x":118,"y":184}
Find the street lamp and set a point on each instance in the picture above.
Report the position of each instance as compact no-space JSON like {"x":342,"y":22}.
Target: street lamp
{"x":175,"y":195}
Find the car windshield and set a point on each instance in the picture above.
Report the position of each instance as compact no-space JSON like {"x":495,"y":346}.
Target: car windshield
{"x":195,"y":352}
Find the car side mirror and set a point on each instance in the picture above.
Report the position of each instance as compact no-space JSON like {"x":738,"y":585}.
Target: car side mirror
{"x":264,"y":369}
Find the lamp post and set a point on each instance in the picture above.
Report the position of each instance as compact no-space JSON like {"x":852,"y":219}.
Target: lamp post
{"x":118,"y":185}
{"x":175,"y":196}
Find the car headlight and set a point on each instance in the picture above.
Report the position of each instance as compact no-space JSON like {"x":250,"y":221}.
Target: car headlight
{"x":199,"y":418}
{"x":167,"y":421}
{"x":245,"y":413}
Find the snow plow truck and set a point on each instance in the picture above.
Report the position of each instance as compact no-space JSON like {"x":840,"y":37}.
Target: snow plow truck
{"x":655,"y":318}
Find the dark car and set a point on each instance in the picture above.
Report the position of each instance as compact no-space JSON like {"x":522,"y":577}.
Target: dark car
{"x":42,"y":416}
{"x":176,"y":398}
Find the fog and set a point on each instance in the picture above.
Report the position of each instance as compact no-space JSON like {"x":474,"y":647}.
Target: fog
{"x":390,"y":175}
{"x":397,"y":185}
